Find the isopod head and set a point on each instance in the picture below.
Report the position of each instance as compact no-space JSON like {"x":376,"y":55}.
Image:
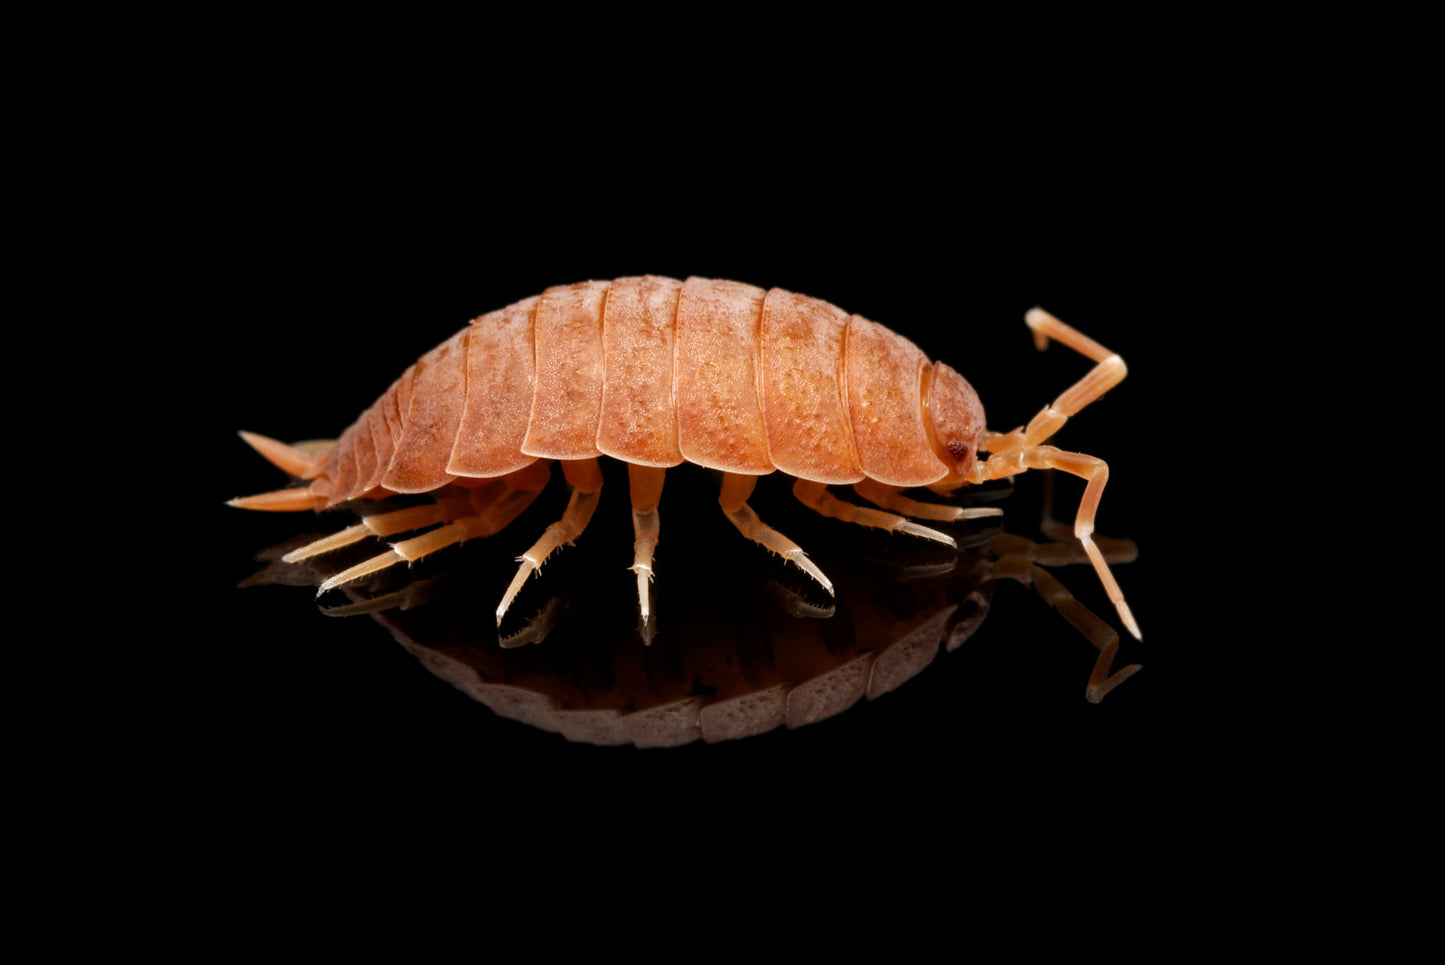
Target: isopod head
{"x":954,"y":417}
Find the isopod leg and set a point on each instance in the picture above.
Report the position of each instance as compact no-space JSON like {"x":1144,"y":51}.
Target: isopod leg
{"x":1020,"y":567}
{"x":736,"y":489}
{"x":1090,"y":468}
{"x":585,"y":476}
{"x":646,"y":487}
{"x":890,"y":497}
{"x":384,"y":524}
{"x":1020,"y":450}
{"x":493,"y":506}
{"x":815,"y":496}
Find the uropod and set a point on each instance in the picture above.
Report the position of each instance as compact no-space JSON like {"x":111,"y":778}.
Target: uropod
{"x":656,"y":372}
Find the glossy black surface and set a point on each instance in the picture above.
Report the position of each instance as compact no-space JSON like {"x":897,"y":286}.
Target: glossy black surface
{"x":307,"y":329}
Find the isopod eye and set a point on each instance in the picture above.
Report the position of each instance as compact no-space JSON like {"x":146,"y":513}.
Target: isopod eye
{"x":957,"y":421}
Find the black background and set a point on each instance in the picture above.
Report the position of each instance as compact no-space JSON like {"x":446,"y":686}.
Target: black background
{"x":321,"y":268}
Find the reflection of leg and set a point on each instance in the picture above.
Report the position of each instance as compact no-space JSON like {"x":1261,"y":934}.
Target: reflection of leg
{"x":484,"y":511}
{"x":1065,"y":553}
{"x":891,"y":497}
{"x":1099,"y":633}
{"x":586,"y":479}
{"x":1016,"y":562}
{"x":736,"y":489}
{"x":815,"y":496}
{"x":1049,"y":525}
{"x":646,"y":486}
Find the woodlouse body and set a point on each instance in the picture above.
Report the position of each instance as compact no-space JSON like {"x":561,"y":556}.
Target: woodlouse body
{"x":656,"y":372}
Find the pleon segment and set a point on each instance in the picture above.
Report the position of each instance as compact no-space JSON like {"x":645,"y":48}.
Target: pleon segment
{"x":364,"y":446}
{"x":430,"y":426}
{"x":343,"y":472}
{"x":375,"y":422}
{"x":399,"y":401}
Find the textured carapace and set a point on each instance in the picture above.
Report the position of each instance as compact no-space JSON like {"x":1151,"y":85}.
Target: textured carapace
{"x":655,"y":372}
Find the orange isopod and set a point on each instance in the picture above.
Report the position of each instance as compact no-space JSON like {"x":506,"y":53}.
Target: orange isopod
{"x":657,"y":372}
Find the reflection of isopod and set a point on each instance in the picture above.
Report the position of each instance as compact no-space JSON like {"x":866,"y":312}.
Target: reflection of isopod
{"x":655,"y":372}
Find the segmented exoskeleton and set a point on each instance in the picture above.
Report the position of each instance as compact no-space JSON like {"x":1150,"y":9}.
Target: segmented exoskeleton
{"x":656,"y":372}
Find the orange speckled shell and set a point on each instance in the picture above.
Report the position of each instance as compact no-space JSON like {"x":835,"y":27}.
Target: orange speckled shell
{"x":567,"y":394}
{"x":803,"y":389}
{"x":638,"y":422}
{"x":885,"y":381}
{"x":719,"y":415}
{"x":501,"y":373}
{"x":655,"y":371}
